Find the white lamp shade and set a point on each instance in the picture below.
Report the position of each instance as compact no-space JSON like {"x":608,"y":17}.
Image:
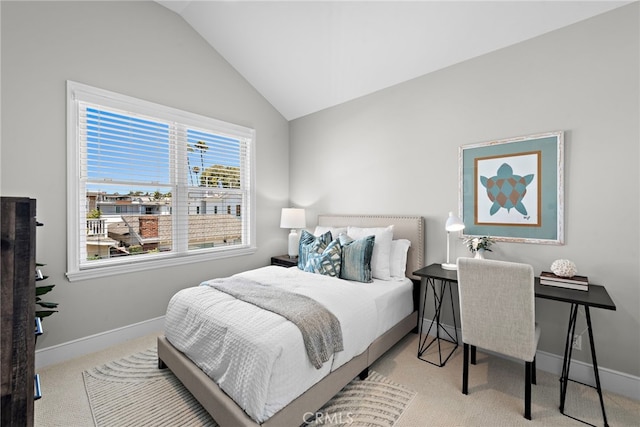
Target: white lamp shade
{"x":292,"y":218}
{"x":453,"y":223}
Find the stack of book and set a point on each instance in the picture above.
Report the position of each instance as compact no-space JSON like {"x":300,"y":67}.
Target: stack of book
{"x":580,"y":283}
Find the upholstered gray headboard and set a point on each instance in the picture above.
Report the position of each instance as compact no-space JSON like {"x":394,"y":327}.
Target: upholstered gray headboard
{"x":404,"y":227}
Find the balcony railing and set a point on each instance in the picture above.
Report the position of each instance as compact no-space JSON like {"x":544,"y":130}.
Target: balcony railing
{"x":96,"y":227}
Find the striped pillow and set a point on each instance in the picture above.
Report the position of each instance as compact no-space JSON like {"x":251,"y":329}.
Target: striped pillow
{"x":356,"y":258}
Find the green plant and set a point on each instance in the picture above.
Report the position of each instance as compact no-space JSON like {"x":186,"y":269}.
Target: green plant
{"x":49,"y":306}
{"x":41,"y":290}
{"x":476,"y":243}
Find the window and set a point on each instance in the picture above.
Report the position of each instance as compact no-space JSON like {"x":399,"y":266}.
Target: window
{"x":153,"y":186}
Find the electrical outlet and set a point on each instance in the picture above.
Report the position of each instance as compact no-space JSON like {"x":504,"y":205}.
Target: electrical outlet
{"x":577,"y":342}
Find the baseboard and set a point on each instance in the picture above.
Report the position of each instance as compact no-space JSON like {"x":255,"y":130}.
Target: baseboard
{"x":69,"y":350}
{"x":610,"y":380}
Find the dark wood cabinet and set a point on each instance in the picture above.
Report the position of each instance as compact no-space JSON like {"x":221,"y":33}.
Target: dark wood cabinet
{"x":17,"y":311}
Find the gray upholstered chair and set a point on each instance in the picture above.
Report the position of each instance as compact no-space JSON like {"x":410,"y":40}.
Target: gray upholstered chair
{"x":497,"y":313}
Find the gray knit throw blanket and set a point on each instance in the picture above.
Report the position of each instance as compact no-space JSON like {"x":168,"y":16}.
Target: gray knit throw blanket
{"x":321,"y":330}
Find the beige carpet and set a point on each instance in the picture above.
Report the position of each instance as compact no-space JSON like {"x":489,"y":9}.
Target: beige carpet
{"x":132,"y":391}
{"x":495,"y":392}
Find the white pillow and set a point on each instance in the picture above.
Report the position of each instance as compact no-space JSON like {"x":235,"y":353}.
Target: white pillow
{"x":335,"y":231}
{"x":380,"y":259}
{"x":398,"y":261}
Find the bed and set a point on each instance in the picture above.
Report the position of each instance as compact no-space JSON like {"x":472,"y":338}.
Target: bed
{"x":318,"y":386}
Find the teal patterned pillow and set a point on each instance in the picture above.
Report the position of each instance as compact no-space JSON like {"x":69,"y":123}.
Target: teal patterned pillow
{"x":309,"y":244}
{"x":327,"y":260}
{"x":356,"y":258}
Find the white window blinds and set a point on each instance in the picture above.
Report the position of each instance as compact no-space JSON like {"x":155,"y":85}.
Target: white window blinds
{"x":152,"y":183}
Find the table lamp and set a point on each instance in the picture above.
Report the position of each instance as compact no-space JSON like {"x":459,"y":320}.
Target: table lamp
{"x":453,"y":224}
{"x":293,"y":218}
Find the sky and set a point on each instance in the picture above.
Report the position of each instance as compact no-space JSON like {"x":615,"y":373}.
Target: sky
{"x":130,"y":153}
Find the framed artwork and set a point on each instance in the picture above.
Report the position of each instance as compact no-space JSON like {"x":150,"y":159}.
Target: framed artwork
{"x":513,"y":189}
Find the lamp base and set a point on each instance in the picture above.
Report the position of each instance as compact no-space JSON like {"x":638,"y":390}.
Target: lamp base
{"x":449,"y":266}
{"x":294,"y":240}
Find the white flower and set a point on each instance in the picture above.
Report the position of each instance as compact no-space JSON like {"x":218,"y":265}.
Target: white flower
{"x":474,"y":243}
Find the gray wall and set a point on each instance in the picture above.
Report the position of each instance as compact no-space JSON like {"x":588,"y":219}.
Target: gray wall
{"x":139,"y":49}
{"x":396,"y":151}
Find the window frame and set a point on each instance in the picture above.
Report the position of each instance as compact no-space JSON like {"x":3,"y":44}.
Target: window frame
{"x":78,"y":92}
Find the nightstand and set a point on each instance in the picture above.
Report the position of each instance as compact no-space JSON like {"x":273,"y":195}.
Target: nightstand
{"x":284,"y":261}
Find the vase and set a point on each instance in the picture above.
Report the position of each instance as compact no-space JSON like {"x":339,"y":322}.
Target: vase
{"x":479,"y":254}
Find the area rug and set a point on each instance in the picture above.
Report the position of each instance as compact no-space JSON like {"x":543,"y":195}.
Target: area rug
{"x":132,"y":391}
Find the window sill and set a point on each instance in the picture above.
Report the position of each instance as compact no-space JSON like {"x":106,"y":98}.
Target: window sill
{"x":112,"y":270}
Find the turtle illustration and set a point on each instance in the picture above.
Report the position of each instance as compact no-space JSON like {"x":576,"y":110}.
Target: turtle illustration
{"x":506,"y":190}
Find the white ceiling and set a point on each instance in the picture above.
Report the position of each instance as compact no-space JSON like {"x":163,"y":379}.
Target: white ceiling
{"x":304,"y":56}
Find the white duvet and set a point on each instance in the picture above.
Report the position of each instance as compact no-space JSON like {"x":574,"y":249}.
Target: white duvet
{"x":257,"y":357}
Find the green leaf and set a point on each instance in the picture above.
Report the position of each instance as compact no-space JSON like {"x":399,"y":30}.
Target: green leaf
{"x":46,"y":304}
{"x":41,"y":290}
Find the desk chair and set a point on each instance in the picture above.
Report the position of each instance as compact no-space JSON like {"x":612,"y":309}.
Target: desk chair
{"x":497,"y":313}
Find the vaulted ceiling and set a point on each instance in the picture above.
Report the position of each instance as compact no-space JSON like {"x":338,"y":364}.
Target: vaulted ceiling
{"x":305,"y":56}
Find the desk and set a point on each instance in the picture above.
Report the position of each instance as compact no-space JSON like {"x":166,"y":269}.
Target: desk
{"x":432,"y":274}
{"x":596,"y":297}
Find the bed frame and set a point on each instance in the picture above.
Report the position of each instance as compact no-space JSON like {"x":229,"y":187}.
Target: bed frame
{"x":228,"y":414}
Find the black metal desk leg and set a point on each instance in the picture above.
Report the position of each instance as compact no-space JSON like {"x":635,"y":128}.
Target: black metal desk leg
{"x":422,"y":338}
{"x":568,"y":348}
{"x":423,"y":345}
{"x":453,"y":312}
{"x":437,"y":306}
{"x":595,"y":365}
{"x":421,"y":320}
{"x":566,"y":363}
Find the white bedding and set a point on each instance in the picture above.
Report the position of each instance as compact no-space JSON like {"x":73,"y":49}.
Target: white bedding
{"x":258,"y":357}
